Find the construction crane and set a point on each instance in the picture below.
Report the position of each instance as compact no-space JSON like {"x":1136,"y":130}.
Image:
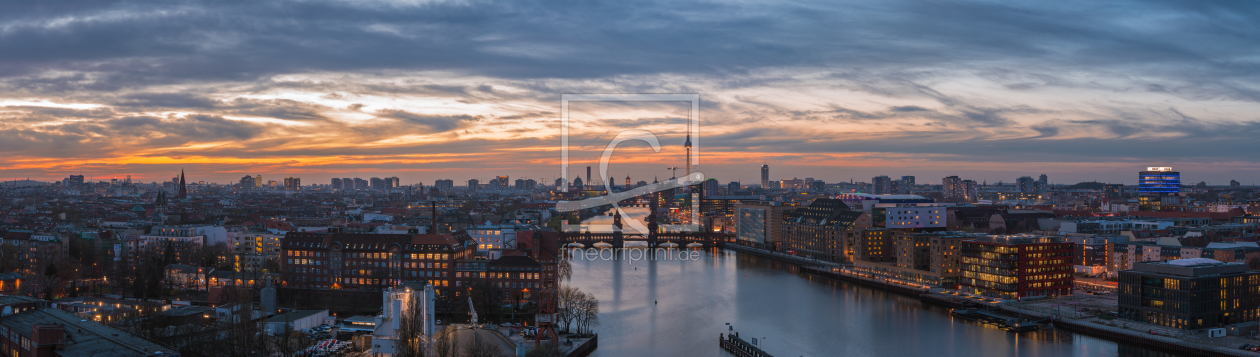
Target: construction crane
{"x":674,"y":170}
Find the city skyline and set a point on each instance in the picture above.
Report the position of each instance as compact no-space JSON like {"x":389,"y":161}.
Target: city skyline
{"x":427,"y":182}
{"x":1081,"y":92}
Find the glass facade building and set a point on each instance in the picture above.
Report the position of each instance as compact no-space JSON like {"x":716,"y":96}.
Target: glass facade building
{"x":1189,"y":293}
{"x":1159,"y":181}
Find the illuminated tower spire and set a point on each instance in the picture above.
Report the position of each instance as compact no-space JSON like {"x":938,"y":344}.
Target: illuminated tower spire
{"x":688,"y":145}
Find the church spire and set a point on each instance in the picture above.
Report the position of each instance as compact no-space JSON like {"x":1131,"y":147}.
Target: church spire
{"x":183,"y":189}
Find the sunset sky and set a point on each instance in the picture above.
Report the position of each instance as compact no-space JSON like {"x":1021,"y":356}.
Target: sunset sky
{"x":425,"y":90}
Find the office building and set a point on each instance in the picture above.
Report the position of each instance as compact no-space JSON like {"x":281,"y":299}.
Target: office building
{"x":1155,"y":184}
{"x":1160,"y":181}
{"x":765,"y":176}
{"x":1014,"y":267}
{"x":1189,"y":294}
{"x":759,"y":224}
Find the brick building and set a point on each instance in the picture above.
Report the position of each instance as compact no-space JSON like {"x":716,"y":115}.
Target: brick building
{"x":818,"y":231}
{"x":372,"y":261}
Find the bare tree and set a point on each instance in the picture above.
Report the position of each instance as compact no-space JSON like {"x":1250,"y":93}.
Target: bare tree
{"x":411,"y":340}
{"x":587,"y":313}
{"x":566,"y":304}
{"x":444,"y":346}
{"x":483,"y":349}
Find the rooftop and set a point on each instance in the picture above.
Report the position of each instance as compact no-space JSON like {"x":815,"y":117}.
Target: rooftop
{"x":294,"y":316}
{"x":83,"y":337}
{"x":1194,"y":267}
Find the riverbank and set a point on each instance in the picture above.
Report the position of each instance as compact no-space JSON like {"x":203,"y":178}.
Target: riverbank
{"x":1170,"y":340}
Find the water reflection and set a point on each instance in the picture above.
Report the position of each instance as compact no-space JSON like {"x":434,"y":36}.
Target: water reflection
{"x":678,"y":308}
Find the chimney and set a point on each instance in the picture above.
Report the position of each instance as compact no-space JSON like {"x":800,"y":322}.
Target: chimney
{"x":433,"y":211}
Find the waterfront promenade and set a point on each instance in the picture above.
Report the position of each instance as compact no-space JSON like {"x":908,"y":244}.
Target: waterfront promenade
{"x":1077,"y":313}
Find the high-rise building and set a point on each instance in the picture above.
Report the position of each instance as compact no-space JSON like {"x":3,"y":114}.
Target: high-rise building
{"x":952,"y":189}
{"x":526,"y":184}
{"x":970,"y":192}
{"x":247,"y":183}
{"x":292,"y":183}
{"x":709,"y":188}
{"x":1160,"y":181}
{"x":501,"y":182}
{"x":765,"y":176}
{"x":1154,"y":183}
{"x":1113,"y":191}
{"x":258,"y":180}
{"x":1044,"y":180}
{"x":360,"y":184}
{"x":392,"y":182}
{"x":734,"y":186}
{"x":336,"y":183}
{"x":74,"y":181}
{"x":881,"y":185}
{"x":907,"y":185}
{"x":588,"y":175}
{"x":473,"y":184}
{"x":377,"y":183}
{"x":444,"y":185}
{"x":1232,"y":183}
{"x":1026,"y":184}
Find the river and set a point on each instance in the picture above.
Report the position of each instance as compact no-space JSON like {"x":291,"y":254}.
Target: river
{"x":679,"y":307}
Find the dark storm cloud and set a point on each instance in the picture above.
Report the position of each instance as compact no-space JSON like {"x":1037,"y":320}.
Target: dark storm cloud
{"x":433,"y":123}
{"x":1188,"y":140}
{"x":103,"y":137}
{"x":142,"y":57}
{"x":147,"y":42}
